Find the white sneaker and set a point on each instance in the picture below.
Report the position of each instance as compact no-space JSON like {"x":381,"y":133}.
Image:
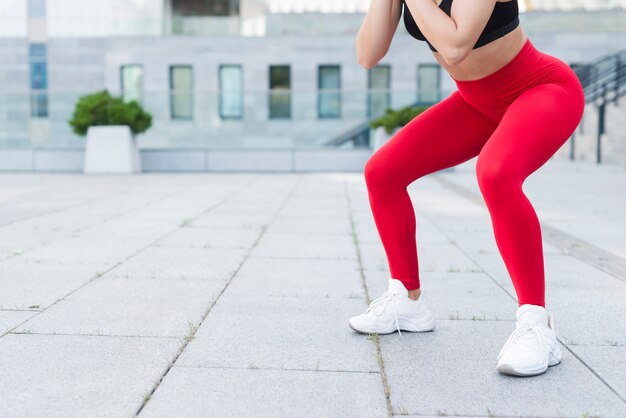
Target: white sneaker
{"x":394,"y":310}
{"x":532,"y":346}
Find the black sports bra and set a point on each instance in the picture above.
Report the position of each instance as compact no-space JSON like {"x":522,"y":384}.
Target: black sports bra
{"x":504,"y":18}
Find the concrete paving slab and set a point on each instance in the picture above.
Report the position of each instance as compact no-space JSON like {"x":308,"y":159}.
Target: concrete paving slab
{"x":68,"y":375}
{"x":471,"y":296}
{"x":560,"y":271}
{"x":456,"y":295}
{"x":104,"y":252}
{"x":11,"y":319}
{"x":22,"y":236}
{"x":588,"y":315}
{"x":425,"y":233}
{"x":122,"y":229}
{"x":210,"y":237}
{"x":281,"y":332}
{"x":252,"y":220}
{"x":608,"y":361}
{"x":431,"y":257}
{"x":30,"y":285}
{"x":185,"y":263}
{"x":217,"y":392}
{"x":452,"y":371}
{"x":138,"y":307}
{"x":565,"y":195}
{"x":311,"y":226}
{"x":275,"y":244}
{"x":298,"y":277}
{"x":306,"y":272}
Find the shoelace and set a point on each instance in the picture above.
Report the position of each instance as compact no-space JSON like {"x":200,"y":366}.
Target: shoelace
{"x":384,"y":300}
{"x":519,"y":332}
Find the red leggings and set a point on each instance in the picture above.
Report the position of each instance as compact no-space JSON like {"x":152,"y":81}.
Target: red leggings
{"x":514,"y":120}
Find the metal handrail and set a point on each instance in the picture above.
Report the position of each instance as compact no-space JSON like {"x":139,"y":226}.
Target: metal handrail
{"x":603,"y":78}
{"x":603,"y":81}
{"x":359,"y":135}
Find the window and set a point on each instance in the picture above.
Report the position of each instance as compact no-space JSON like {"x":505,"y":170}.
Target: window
{"x":231,"y":91}
{"x":428,"y":83}
{"x":38,"y":80}
{"x":131,"y":82}
{"x":329,"y":91}
{"x":195,"y":8}
{"x":36,"y":8}
{"x":378,"y":84}
{"x":280,"y":96}
{"x":181,"y":95}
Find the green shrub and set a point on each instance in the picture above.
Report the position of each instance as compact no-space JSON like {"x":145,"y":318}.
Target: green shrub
{"x":100,"y":108}
{"x":393,"y":119}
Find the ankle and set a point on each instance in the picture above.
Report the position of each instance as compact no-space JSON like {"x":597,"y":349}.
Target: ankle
{"x":415,"y":293}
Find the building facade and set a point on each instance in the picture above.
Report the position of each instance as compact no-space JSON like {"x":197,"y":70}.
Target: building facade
{"x":236,"y":74}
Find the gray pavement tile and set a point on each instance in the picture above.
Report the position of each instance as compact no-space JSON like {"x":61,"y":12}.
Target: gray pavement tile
{"x":464,"y":296}
{"x":102,"y":251}
{"x":425,"y":234}
{"x":10,"y":319}
{"x":66,"y":221}
{"x":210,"y":237}
{"x":68,"y":376}
{"x":298,"y":277}
{"x":21,"y":236}
{"x":281,"y":332}
{"x":211,"y":264}
{"x":607,"y":234}
{"x":335,"y":198}
{"x":251,"y":220}
{"x":565,"y":195}
{"x":304,"y":213}
{"x":122,"y":229}
{"x":311,"y":226}
{"x":25,"y":284}
{"x":211,"y":392}
{"x":588,"y":315}
{"x":138,"y":307}
{"x":431,"y":257}
{"x":373,"y":256}
{"x":560,"y":271}
{"x":444,"y":258}
{"x":275,"y":244}
{"x":463,"y":223}
{"x":456,"y":295}
{"x":263,"y":206}
{"x":608,"y":361}
{"x":452,"y":371}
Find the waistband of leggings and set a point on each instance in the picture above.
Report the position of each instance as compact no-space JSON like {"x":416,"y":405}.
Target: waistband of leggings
{"x":528,"y":50}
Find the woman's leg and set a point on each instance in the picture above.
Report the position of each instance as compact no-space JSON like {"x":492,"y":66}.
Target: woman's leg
{"x":446,"y":134}
{"x":532,"y":129}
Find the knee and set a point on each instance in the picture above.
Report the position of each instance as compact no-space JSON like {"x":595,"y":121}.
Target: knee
{"x":495,"y":178}
{"x":378,"y":172}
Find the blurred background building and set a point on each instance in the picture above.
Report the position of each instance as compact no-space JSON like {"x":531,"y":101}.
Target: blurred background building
{"x":248,"y":81}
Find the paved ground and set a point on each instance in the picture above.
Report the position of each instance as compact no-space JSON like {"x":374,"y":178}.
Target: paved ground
{"x":194,"y":295}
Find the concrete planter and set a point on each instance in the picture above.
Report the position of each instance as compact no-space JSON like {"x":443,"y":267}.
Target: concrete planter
{"x":111,"y":150}
{"x":380,"y":137}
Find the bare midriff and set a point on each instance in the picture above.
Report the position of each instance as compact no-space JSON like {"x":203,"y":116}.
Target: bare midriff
{"x":487,"y":59}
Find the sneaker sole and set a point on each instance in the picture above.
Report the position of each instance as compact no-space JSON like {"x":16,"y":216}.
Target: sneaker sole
{"x":427,"y":328}
{"x":508,"y":369}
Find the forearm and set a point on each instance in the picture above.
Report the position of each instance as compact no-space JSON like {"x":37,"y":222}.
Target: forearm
{"x":439,"y":28}
{"x":376,"y":31}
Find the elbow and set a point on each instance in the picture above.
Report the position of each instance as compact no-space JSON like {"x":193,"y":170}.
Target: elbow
{"x":454,"y":55}
{"x":368,"y":57}
{"x":367,"y":63}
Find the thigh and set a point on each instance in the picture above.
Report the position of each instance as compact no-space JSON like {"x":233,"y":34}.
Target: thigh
{"x":532,"y":129}
{"x":446,"y":134}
